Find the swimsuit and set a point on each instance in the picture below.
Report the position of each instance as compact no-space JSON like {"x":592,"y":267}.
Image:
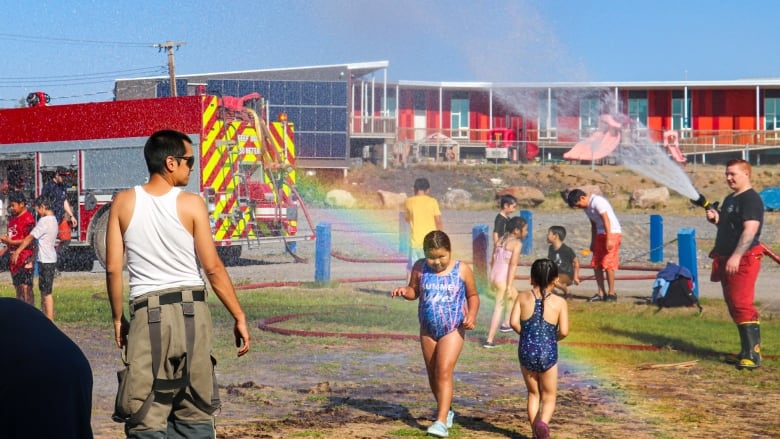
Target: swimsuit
{"x":538,"y":348}
{"x":499,"y":270}
{"x":442,"y":302}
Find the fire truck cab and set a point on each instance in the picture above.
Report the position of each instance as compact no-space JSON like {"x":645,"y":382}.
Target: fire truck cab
{"x":245,"y":169}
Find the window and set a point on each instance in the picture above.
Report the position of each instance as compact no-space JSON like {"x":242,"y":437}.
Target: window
{"x":637,"y":107}
{"x":548,"y":116}
{"x":590,"y":110}
{"x":389,"y":110}
{"x":772,"y":114}
{"x":459,"y":117}
{"x":681,"y":113}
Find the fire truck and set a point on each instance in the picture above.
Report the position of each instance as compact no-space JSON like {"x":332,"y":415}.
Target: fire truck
{"x":245,"y":170}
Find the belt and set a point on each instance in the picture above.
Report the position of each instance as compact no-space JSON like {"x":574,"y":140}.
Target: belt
{"x":170,"y":298}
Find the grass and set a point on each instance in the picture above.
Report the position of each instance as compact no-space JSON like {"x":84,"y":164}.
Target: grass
{"x":680,"y":332}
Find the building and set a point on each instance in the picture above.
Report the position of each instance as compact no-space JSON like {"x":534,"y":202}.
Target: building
{"x":350,"y":111}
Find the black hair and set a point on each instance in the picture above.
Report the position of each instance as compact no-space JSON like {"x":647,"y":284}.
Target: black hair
{"x":516,"y":222}
{"x":161,"y":145}
{"x":17,"y":197}
{"x":421,"y":184}
{"x":437,"y":239}
{"x":506,"y":200}
{"x":543,"y":273}
{"x":558,"y":231}
{"x":574,"y":196}
{"x":44,"y":201}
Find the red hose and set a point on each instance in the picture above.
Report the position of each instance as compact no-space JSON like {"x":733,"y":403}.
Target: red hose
{"x":346,"y":258}
{"x":767,"y":251}
{"x":267,"y":325}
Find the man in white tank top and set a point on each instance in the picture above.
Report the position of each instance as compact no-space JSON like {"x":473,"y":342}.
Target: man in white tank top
{"x":165,"y":232}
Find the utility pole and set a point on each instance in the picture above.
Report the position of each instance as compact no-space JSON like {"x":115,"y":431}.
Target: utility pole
{"x":169,"y":46}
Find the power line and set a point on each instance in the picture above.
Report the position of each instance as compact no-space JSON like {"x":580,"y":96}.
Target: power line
{"x":55,"y":98}
{"x":80,"y":75}
{"x":70,"y":41}
{"x":76,"y":79}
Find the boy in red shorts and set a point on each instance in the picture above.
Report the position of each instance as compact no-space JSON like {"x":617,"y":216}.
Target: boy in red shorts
{"x":605,"y":240}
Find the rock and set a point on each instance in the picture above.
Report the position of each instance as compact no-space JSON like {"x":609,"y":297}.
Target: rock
{"x":650,"y":198}
{"x":391,"y":200}
{"x":339,"y":198}
{"x":526,"y":196}
{"x":455,"y":198}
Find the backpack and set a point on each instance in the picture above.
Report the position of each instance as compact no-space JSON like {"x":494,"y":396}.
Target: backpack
{"x":674,"y":287}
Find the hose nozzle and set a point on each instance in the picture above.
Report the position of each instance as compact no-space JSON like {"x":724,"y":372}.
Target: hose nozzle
{"x":702,"y":202}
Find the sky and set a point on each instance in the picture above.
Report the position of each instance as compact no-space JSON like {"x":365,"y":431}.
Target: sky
{"x":74,"y":50}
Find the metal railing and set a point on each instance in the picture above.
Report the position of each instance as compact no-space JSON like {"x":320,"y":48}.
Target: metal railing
{"x":373,"y":126}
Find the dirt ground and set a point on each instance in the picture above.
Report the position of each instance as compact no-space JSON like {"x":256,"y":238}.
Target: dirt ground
{"x":375,"y":388}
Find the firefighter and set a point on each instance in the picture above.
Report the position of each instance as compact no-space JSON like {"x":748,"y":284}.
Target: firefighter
{"x":170,"y":390}
{"x":737,"y":259}
{"x":56,"y":191}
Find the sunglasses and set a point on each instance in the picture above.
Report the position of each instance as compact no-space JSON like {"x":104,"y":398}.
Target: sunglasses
{"x":190,"y":160}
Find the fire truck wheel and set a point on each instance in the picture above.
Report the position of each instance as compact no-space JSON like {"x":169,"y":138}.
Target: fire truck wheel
{"x":230,"y":255}
{"x":77,"y":259}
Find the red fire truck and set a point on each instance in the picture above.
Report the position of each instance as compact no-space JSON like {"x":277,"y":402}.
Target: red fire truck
{"x":245,"y":171}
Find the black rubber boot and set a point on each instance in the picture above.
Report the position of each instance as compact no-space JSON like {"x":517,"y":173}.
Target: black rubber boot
{"x":734,"y":358}
{"x":750,"y":357}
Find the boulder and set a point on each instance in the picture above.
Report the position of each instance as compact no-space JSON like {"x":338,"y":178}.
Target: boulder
{"x":526,"y":196}
{"x":649,"y":198}
{"x":339,"y":198}
{"x":391,"y":200}
{"x":456,"y":198}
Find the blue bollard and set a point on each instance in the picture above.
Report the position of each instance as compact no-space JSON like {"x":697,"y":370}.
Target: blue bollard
{"x":322,"y":251}
{"x":403,"y":234}
{"x":479,"y":248}
{"x":528,"y":242}
{"x":686,"y":251}
{"x":656,"y":238}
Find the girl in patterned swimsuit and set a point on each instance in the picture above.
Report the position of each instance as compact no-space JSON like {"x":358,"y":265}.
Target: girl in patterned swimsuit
{"x":448,"y":306}
{"x":541,"y":318}
{"x":506,"y":256}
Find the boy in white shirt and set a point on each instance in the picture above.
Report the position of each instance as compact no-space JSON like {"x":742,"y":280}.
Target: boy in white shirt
{"x":45,"y":232}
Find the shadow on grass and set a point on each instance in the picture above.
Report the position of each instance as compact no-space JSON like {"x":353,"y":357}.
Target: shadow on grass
{"x":378,"y":407}
{"x":398,"y":412}
{"x":666,"y":342}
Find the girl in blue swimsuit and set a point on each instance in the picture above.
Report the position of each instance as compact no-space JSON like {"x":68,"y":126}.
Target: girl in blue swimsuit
{"x":448,"y":306}
{"x":541,"y":318}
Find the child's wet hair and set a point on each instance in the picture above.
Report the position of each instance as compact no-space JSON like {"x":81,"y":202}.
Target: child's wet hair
{"x":543,"y":272}
{"x":558,"y":231}
{"x":516,"y":222}
{"x":421,"y":184}
{"x":43,"y":201}
{"x":437,"y":239}
{"x":573,"y":197}
{"x":506,"y":200}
